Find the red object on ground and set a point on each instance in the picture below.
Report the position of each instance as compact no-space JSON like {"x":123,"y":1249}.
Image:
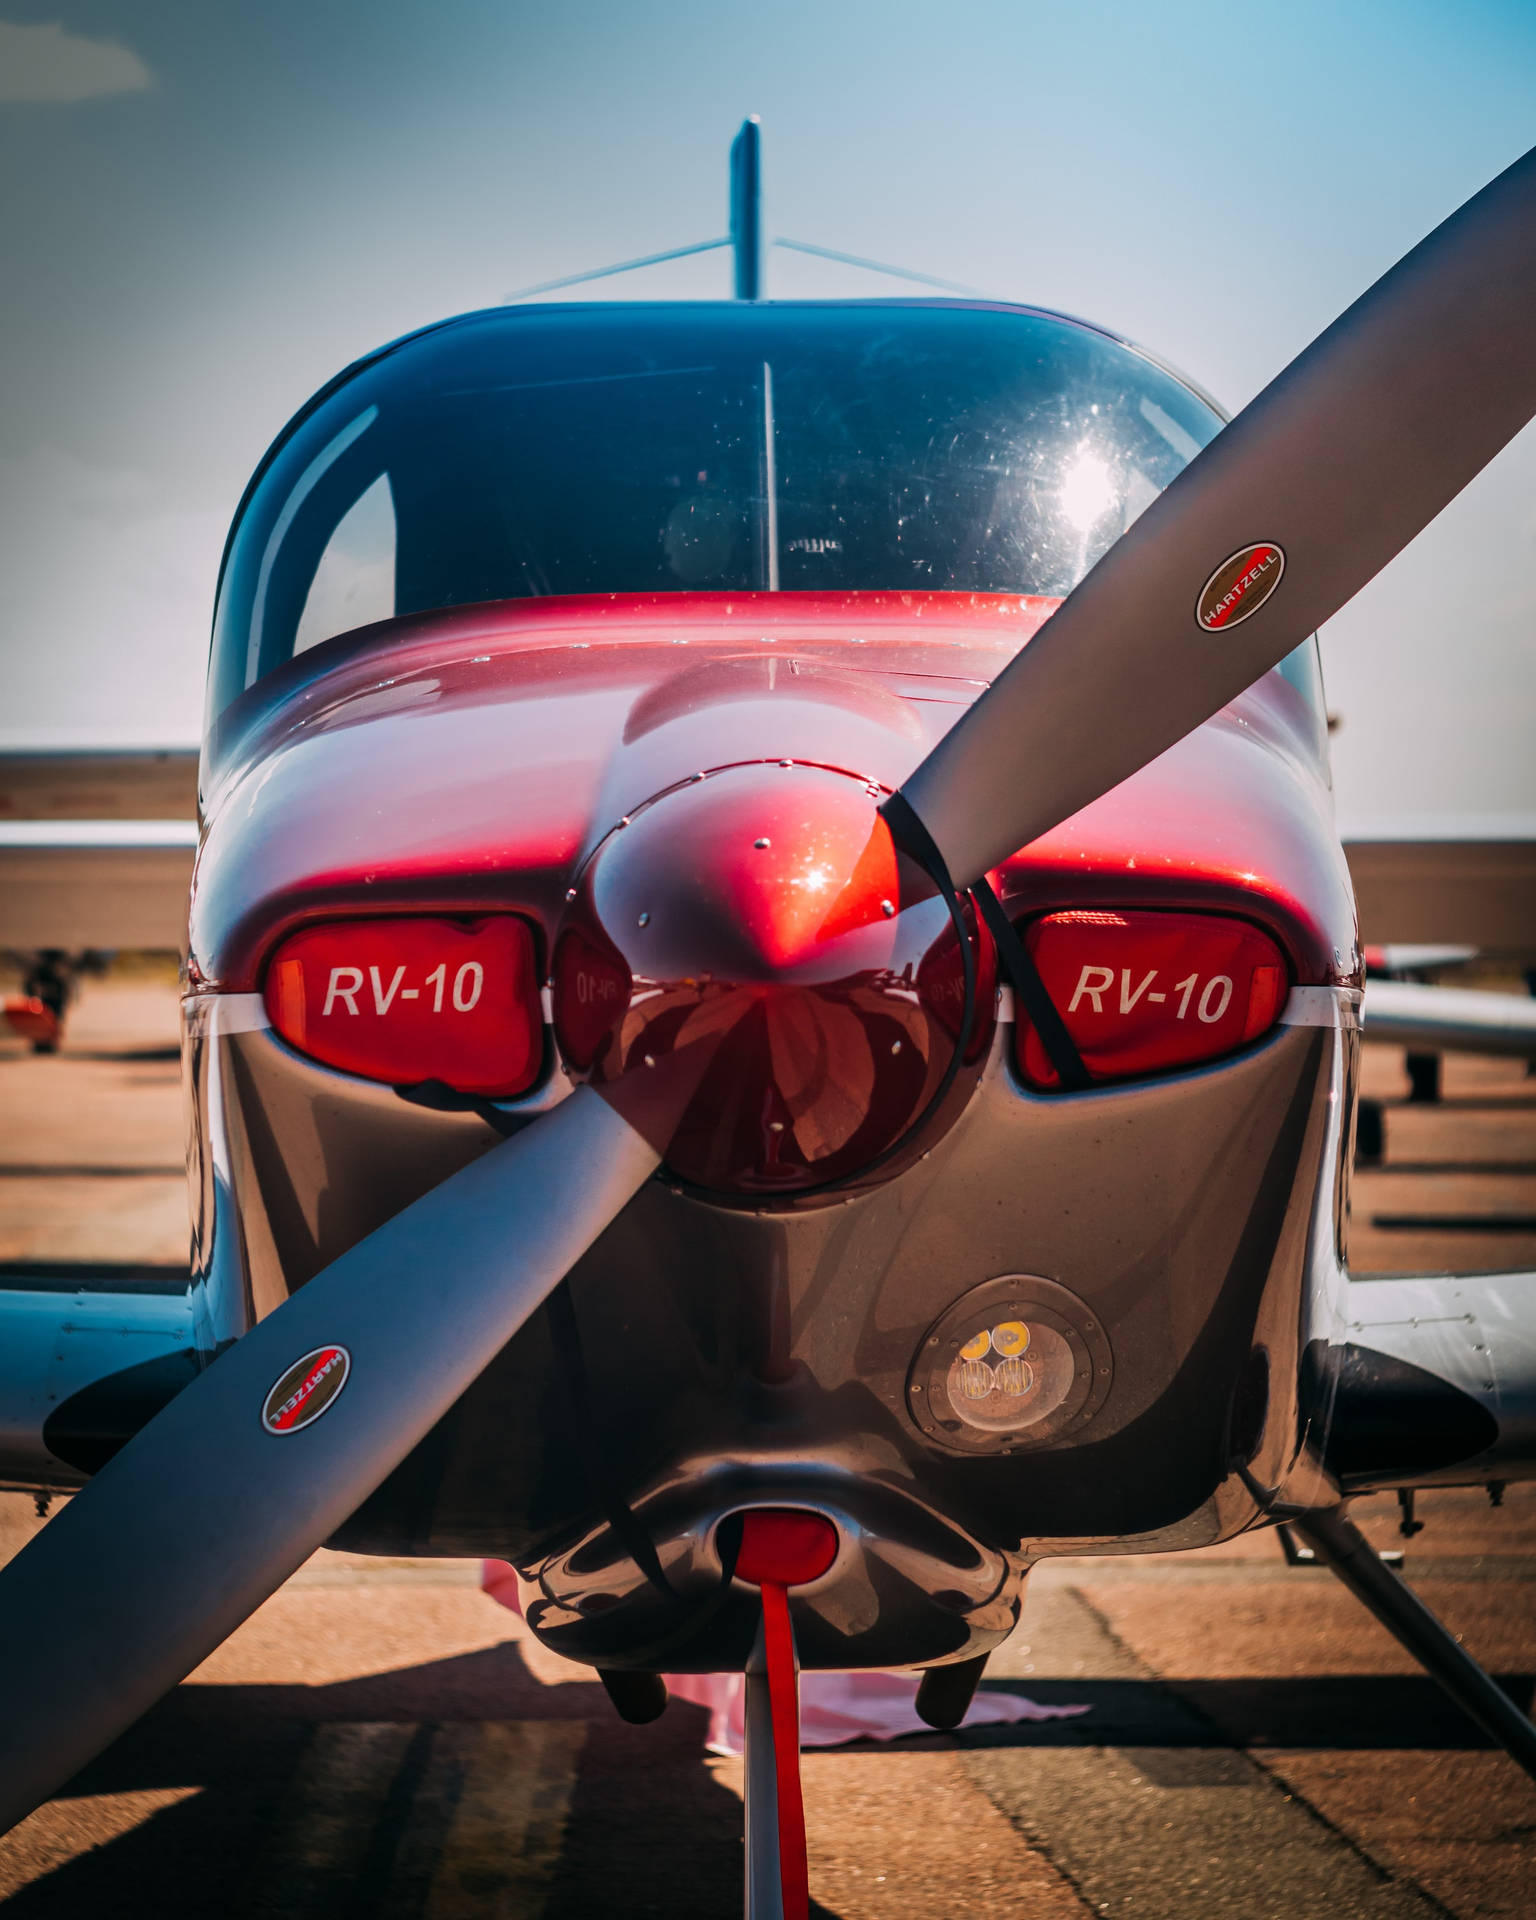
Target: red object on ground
{"x":780,"y":1549}
{"x":33,"y":1019}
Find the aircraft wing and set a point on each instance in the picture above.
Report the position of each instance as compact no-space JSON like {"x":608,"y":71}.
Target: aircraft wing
{"x":1453,"y":1019}
{"x":148,"y":783}
{"x":1465,"y":878}
{"x":96,"y":848}
{"x":88,"y":1355}
{"x":98,"y":884}
{"x":1436,"y":1383}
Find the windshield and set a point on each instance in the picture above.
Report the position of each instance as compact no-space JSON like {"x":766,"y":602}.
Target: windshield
{"x":642,"y":449}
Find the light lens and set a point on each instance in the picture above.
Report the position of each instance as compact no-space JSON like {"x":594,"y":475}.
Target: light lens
{"x":409,"y":1000}
{"x":1012,"y":1337}
{"x":1144,"y":993}
{"x":1011,"y":1393}
{"x":974,"y":1378}
{"x":1016,"y":1362}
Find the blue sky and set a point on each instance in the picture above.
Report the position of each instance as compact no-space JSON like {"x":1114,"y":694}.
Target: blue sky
{"x":204,"y":211}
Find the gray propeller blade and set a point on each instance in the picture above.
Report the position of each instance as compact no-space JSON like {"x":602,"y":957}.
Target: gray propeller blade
{"x":1335,"y":466}
{"x":208,"y":1510}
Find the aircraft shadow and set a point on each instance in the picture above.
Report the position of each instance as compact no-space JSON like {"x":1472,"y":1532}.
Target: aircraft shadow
{"x":647,"y":1829}
{"x":1359,"y":1712}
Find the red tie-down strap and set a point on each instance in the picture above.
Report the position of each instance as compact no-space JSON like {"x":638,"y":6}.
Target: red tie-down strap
{"x":781,"y":1548}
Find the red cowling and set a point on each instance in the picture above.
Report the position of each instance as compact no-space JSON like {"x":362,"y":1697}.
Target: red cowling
{"x":742,"y":946}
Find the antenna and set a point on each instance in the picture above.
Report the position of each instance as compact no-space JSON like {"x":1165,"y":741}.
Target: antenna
{"x":880,"y":266}
{"x":747,"y":210}
{"x":749,"y":247}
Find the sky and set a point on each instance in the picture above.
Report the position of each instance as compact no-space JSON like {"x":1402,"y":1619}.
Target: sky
{"x":205,"y":211}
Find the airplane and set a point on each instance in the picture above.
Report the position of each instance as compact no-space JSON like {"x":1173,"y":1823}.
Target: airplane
{"x":772,"y":1006}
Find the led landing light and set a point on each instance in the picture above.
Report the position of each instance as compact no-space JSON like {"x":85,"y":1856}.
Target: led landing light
{"x":1017,"y":1362}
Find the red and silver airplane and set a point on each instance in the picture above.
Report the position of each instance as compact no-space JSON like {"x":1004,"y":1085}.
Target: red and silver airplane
{"x":773,"y":1005}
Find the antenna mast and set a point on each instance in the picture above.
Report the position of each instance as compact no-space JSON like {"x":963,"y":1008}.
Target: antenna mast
{"x":747,"y":210}
{"x":746,"y":240}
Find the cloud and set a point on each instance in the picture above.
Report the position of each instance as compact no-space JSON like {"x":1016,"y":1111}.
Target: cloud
{"x":49,"y":64}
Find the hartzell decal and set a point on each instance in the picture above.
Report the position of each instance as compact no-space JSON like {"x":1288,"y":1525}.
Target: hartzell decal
{"x":1240,"y":586}
{"x":304,"y":1392}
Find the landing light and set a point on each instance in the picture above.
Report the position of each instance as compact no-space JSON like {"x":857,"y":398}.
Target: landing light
{"x":1016,"y":1362}
{"x":991,"y":1386}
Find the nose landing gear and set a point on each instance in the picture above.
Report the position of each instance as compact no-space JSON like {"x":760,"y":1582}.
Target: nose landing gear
{"x":780,"y":1548}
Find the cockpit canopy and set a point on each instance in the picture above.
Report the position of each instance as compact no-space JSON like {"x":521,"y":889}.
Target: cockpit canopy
{"x":536,"y":451}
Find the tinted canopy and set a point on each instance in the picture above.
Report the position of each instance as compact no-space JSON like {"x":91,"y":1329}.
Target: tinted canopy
{"x":567,"y":450}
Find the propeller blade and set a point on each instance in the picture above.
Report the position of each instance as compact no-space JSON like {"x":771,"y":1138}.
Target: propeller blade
{"x":1309,"y":492}
{"x":207,"y":1510}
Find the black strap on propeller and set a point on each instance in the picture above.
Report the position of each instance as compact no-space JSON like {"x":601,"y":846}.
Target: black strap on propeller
{"x":1031,"y":992}
{"x":438,"y":1097}
{"x":914,"y":839}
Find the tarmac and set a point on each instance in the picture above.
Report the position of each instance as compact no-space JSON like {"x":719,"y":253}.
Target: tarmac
{"x":381,"y":1739}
